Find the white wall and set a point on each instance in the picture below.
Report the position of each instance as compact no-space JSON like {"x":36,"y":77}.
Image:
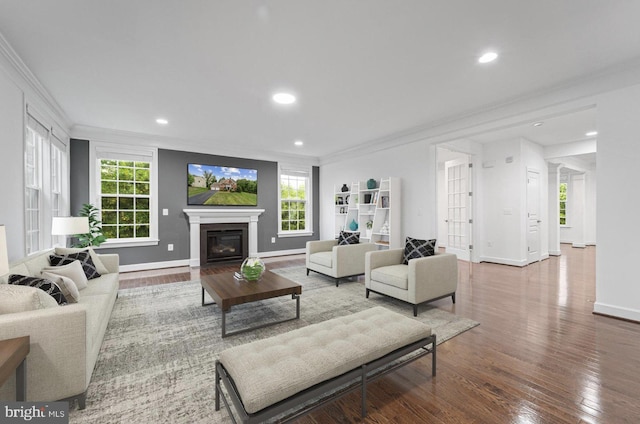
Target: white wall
{"x":618,"y":232}
{"x":414,"y":163}
{"x":11,"y":161}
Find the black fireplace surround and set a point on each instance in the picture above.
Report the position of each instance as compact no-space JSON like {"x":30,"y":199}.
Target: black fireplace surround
{"x":223,"y":243}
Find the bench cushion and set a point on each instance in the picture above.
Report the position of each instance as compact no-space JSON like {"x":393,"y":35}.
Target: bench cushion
{"x":270,"y":370}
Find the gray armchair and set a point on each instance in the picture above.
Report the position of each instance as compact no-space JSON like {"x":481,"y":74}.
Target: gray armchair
{"x":422,"y":280}
{"x":326,"y":257}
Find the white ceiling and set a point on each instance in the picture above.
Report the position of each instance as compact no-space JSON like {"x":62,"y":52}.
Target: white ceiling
{"x":362,"y":69}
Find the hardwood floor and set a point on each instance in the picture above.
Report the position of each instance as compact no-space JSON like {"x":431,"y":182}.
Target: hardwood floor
{"x":539,"y":355}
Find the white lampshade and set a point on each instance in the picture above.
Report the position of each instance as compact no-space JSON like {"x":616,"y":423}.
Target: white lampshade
{"x":69,"y":225}
{"x":4,"y":257}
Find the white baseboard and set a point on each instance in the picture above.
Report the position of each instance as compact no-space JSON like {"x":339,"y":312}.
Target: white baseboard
{"x":616,"y":311}
{"x":579,"y":245}
{"x":503,"y":261}
{"x":555,"y":253}
{"x":196,"y":264}
{"x":154,"y":265}
{"x":281,"y":253}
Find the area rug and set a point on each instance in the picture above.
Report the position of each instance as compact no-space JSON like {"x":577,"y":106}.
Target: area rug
{"x":157,"y":361}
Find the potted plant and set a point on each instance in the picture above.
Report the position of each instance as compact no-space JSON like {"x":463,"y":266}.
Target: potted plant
{"x":369,"y":228}
{"x":94,"y":237}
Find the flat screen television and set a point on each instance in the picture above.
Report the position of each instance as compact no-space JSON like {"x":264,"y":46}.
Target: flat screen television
{"x":211,"y":185}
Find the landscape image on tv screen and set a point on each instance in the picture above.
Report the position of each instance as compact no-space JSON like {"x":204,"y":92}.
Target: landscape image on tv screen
{"x":221,"y":186}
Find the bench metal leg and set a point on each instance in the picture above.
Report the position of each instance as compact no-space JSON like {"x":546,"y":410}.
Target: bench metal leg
{"x":217,"y":386}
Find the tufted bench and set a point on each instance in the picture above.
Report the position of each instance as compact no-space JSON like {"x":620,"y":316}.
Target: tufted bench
{"x":268,"y":377}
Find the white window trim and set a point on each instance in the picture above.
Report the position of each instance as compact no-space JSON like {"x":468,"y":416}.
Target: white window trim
{"x":55,"y":136}
{"x":99,"y":149}
{"x":283,"y":168}
{"x":566,"y":203}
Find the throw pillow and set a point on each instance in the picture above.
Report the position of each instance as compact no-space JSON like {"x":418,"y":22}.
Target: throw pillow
{"x":100,"y":267}
{"x":66,"y":284}
{"x":23,"y":298}
{"x":88,"y":266}
{"x":48,"y":286}
{"x":72,"y":270}
{"x":416,"y":248}
{"x":346,"y":238}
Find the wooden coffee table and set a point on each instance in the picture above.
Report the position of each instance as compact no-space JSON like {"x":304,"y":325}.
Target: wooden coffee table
{"x":227,"y":291}
{"x":13,"y":357}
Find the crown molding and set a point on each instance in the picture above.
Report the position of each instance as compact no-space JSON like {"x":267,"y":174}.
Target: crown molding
{"x":172,"y":143}
{"x":575,"y":94}
{"x":22,"y":76}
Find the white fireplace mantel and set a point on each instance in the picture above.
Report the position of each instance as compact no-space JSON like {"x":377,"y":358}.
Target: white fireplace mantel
{"x":221,"y":216}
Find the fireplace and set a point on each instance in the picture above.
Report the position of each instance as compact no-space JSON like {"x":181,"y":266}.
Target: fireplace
{"x":223,"y":243}
{"x":199,"y":218}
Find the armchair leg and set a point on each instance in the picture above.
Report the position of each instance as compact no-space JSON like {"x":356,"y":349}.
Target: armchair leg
{"x":415,"y":310}
{"x":337,"y":282}
{"x":367,"y":295}
{"x":307,"y":272}
{"x":453,"y":297}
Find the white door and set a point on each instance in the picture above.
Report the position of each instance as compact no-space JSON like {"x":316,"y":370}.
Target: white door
{"x":533,"y":216}
{"x":457,"y":186}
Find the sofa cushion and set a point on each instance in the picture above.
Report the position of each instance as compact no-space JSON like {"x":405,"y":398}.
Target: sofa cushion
{"x":322,"y":258}
{"x":48,"y":286}
{"x":392,"y":275}
{"x":71,"y":270}
{"x":84,"y":258}
{"x":100,"y":267}
{"x":346,"y":238}
{"x":66,"y":284}
{"x":15,"y":298}
{"x":416,"y":248}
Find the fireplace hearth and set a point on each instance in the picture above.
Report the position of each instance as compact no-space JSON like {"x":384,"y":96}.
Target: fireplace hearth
{"x":223,"y":243}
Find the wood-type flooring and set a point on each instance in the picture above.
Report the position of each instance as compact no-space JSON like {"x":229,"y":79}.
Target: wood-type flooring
{"x":539,"y":354}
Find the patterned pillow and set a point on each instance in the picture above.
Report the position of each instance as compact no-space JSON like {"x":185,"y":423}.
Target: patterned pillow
{"x":346,"y":238}
{"x":48,"y":286}
{"x":416,"y":248}
{"x":88,"y":266}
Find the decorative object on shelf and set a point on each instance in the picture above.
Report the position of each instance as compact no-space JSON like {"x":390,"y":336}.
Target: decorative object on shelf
{"x":385,"y":201}
{"x":367,"y":198}
{"x":371,"y":183}
{"x":339,"y":201}
{"x":252,"y":268}
{"x":344,"y":188}
{"x":353,"y":225}
{"x":369,"y":228}
{"x":346,"y":200}
{"x":385,"y":228}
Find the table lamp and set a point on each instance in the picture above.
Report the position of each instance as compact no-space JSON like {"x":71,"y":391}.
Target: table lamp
{"x":69,"y":225}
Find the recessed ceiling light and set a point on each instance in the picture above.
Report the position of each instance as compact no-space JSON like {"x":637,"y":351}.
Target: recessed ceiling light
{"x":591,"y":133}
{"x":537,"y":124}
{"x":298,"y":143}
{"x":162,"y":121}
{"x":488,"y":57}
{"x":284,"y":98}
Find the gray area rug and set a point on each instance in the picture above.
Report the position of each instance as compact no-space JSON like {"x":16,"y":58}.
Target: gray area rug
{"x":157,"y":361}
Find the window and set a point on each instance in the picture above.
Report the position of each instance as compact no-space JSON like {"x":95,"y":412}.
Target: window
{"x":46,"y":181}
{"x":124,"y":189}
{"x":563,"y":203}
{"x":37,"y":135}
{"x":295,"y":201}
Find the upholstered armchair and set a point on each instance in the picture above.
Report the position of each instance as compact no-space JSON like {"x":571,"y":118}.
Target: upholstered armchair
{"x":326,"y":257}
{"x":421,"y":280}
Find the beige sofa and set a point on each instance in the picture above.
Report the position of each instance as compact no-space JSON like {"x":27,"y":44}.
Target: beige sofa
{"x":421,"y":280}
{"x":326,"y":257}
{"x":65,"y":340}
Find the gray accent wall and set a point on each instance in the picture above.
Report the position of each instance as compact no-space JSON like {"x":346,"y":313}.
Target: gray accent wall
{"x":172,"y":195}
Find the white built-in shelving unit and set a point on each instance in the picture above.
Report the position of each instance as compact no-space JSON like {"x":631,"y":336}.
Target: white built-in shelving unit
{"x":379,"y":206}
